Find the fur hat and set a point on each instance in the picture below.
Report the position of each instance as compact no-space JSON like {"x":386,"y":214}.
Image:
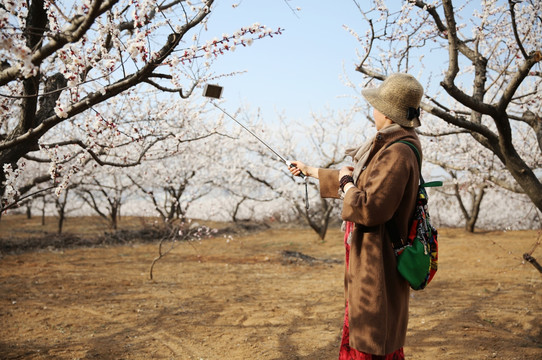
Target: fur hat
{"x":398,"y":97}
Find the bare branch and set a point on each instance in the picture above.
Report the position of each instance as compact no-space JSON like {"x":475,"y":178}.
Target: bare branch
{"x":516,"y":80}
{"x":19,"y":200}
{"x":511,"y":4}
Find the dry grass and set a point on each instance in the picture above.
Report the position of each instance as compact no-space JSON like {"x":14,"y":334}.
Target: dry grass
{"x":240,"y":299}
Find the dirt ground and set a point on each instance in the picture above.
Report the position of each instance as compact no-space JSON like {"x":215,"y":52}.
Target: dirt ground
{"x":241,"y":298}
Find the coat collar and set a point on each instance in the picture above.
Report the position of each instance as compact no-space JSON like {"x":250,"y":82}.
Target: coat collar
{"x":383,"y":138}
{"x":401,"y":133}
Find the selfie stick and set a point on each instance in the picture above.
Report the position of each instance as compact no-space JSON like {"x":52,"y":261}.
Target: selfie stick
{"x":215,"y":92}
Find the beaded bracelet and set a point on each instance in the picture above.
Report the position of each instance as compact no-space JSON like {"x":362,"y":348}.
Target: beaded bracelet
{"x":345,"y":180}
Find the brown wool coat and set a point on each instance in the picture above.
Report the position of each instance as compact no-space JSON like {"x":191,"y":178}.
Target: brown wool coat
{"x":377,"y":294}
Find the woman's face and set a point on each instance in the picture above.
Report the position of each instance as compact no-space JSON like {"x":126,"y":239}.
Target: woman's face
{"x":380,"y":119}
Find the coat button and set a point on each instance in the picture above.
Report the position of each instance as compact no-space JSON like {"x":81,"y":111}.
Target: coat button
{"x":363,"y":168}
{"x":379,"y":137}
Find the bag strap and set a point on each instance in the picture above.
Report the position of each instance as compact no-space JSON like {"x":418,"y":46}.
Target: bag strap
{"x":417,"y":153}
{"x":391,"y":226}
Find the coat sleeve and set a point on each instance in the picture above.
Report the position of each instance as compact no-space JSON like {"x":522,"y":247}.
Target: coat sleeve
{"x":375,"y":201}
{"x":329,"y":183}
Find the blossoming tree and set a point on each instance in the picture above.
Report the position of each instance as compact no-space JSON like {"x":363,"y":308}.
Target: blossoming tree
{"x":173,"y":184}
{"x":480,"y":64}
{"x":74,"y":78}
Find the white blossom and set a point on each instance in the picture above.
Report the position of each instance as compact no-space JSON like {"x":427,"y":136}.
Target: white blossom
{"x":60,"y":110}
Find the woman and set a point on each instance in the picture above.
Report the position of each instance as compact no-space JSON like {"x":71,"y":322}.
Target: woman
{"x":381,"y":186}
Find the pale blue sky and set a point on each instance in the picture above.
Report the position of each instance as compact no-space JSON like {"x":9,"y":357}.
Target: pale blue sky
{"x":296,"y":72}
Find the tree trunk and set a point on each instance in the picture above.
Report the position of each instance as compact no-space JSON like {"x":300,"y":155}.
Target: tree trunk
{"x":61,"y":219}
{"x":475,"y":208}
{"x":36,"y":23}
{"x":114,"y":214}
{"x":320,"y":227}
{"x":527,"y":179}
{"x":43,"y":212}
{"x":236,"y":210}
{"x":61,"y":208}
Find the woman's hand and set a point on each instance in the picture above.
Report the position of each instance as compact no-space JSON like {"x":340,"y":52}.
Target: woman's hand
{"x":345,"y":170}
{"x":299,"y":167}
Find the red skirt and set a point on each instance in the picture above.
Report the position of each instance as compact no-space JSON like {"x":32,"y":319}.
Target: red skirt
{"x":346,"y":352}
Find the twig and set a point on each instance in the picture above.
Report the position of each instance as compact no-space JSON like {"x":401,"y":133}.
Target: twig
{"x":528,"y":255}
{"x":176,"y":235}
{"x":533,"y":261}
{"x":162,"y":254}
{"x":19,"y":200}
